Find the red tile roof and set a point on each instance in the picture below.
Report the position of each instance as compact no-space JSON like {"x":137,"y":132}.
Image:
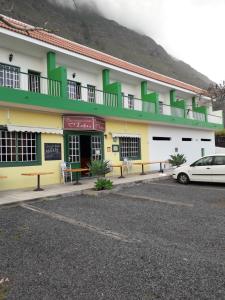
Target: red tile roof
{"x":63,"y":43}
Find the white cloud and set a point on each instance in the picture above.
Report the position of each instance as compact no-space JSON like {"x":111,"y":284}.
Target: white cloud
{"x":191,"y":30}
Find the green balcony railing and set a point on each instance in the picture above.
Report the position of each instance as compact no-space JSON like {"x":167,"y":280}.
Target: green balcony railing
{"x":11,"y":78}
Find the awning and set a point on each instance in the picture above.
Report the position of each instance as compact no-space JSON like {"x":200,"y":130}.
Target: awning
{"x":34,"y":129}
{"x":126,"y":135}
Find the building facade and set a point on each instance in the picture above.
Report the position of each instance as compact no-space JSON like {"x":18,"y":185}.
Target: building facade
{"x":61,"y":101}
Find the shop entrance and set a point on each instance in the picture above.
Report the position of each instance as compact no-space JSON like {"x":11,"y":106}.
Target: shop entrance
{"x":85,"y":152}
{"x":81,"y":148}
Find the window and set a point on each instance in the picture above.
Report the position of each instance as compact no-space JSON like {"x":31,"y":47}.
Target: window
{"x":161,"y":138}
{"x":34,"y":83}
{"x":96,"y":147}
{"x":74,"y":148}
{"x":219,"y":160}
{"x":205,"y":161}
{"x":130,"y":148}
{"x":130,"y":101}
{"x":74,"y":89}
{"x":161,"y":107}
{"x":206,"y":140}
{"x":9,"y":76}
{"x":18,"y":147}
{"x":91,"y":93}
{"x":186,"y":139}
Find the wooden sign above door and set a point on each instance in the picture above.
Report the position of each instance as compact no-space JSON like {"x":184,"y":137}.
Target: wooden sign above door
{"x":83,"y":123}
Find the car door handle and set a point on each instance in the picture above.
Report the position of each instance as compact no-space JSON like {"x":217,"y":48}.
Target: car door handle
{"x":208,"y":168}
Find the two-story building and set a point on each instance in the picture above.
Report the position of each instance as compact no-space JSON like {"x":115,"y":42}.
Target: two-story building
{"x":61,"y":101}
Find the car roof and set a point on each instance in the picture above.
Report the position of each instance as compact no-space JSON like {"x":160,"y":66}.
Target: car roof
{"x":217,"y":154}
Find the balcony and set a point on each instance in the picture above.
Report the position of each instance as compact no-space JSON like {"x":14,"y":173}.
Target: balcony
{"x":30,"y":89}
{"x":29,"y":82}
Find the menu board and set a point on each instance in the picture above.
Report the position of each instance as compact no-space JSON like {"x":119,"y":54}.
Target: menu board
{"x":53,"y":151}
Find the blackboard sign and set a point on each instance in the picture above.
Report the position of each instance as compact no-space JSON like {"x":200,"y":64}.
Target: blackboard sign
{"x":53,"y":151}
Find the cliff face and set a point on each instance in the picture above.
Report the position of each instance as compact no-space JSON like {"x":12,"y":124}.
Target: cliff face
{"x":88,"y":27}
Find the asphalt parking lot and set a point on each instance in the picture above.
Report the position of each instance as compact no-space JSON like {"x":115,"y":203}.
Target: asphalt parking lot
{"x":159,"y":240}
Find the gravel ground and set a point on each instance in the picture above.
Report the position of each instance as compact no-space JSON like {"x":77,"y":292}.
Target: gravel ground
{"x":117,"y":246}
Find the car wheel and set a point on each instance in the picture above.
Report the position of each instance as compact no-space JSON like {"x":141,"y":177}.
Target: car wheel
{"x":183,"y":178}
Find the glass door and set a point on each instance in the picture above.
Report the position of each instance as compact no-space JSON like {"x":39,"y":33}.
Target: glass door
{"x":96,"y":147}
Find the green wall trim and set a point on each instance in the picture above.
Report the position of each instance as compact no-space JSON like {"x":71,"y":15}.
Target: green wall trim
{"x":200,"y":109}
{"x":113,"y":88}
{"x":37,"y":162}
{"x":42,"y":102}
{"x":56,"y":73}
{"x":177,"y":103}
{"x":149,"y":97}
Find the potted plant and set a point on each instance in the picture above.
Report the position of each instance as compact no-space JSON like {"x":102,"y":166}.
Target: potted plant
{"x":100,"y":168}
{"x":177,"y":159}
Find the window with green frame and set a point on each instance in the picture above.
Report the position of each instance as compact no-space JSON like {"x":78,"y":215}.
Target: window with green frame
{"x":19,"y":148}
{"x":130,"y":148}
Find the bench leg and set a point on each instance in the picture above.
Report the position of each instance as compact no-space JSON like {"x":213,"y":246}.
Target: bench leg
{"x":142,"y":170}
{"x":38,"y":185}
{"x":121,"y":173}
{"x":77,"y":182}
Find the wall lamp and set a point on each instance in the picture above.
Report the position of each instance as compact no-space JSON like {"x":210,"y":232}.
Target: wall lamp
{"x":74,"y":75}
{"x":10,"y":57}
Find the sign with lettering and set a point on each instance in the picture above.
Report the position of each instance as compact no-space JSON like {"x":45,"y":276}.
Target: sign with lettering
{"x":53,"y":151}
{"x":83,"y":123}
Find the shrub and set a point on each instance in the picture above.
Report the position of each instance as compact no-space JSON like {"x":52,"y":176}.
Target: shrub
{"x":99,"y":168}
{"x":177,"y":159}
{"x":103,"y":184}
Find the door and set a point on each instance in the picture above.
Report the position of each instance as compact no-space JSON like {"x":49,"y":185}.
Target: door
{"x":218,"y":169}
{"x":34,"y":83}
{"x":96,"y":147}
{"x":201,"y":170}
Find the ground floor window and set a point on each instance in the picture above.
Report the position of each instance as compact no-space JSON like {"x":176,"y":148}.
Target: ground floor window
{"x":19,"y":147}
{"x":130,"y":147}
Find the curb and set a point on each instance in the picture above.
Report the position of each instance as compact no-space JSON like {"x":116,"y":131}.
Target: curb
{"x":87,"y":192}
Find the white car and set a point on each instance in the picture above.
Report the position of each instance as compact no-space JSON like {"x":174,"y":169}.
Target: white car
{"x":209,"y":168}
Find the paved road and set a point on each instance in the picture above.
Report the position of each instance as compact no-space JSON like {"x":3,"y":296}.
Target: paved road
{"x":151,"y":241}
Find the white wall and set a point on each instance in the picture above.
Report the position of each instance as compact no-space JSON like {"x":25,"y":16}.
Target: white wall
{"x":24,"y":61}
{"x":161,"y":150}
{"x":85,"y":77}
{"x":220,"y":150}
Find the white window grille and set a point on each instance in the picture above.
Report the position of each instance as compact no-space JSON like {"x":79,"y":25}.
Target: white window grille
{"x":130,"y":101}
{"x":9,"y":76}
{"x":74,"y":89}
{"x":96,"y":147}
{"x":18,"y":146}
{"x":130,"y":148}
{"x":74,"y":148}
{"x":91,"y":93}
{"x":34,"y":82}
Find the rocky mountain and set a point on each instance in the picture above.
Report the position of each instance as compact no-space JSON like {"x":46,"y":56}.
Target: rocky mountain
{"x":85,"y":25}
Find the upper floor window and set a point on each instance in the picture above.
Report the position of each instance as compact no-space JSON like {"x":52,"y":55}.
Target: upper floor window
{"x":90,"y":93}
{"x":161,"y":107}
{"x":74,"y":89}
{"x":9,"y":76}
{"x":34,"y":82}
{"x":130,"y":101}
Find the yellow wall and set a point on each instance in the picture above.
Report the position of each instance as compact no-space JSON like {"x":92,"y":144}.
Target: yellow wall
{"x":15,"y":179}
{"x":131,"y":128}
{"x":26,"y":118}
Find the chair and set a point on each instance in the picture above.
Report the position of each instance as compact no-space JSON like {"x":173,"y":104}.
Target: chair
{"x":66,"y":176}
{"x":127,"y":165}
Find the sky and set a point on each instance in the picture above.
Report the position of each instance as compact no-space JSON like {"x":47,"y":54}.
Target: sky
{"x":190,"y":30}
